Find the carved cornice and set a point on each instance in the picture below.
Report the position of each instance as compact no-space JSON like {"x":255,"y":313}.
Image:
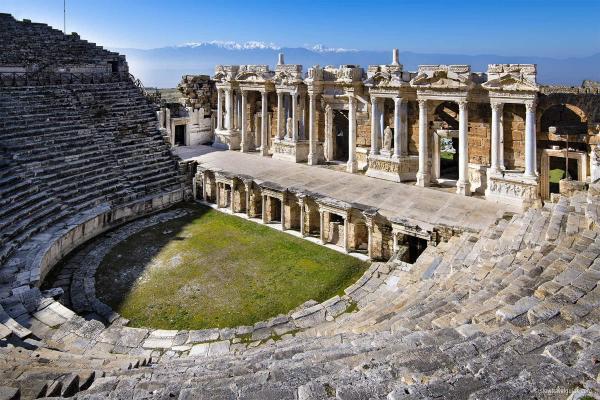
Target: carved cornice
{"x":443,"y":77}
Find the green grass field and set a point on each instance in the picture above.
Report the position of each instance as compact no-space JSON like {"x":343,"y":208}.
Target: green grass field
{"x":210,"y":269}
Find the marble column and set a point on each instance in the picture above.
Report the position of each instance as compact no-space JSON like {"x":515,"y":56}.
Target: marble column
{"x":374,"y":126}
{"x":248,"y":197}
{"x":495,"y":148}
{"x":231,"y":197}
{"x":501,"y":145}
{"x":244,"y":123}
{"x":219,"y":109}
{"x":530,"y":140}
{"x":204,"y":182}
{"x":236,"y":110}
{"x":352,"y":165}
{"x":295,"y":117}
{"x":322,"y":226}
{"x":218,"y":195}
{"x":423,"y":173}
{"x":282,"y":212}
{"x":264,"y":130}
{"x":228,"y":109}
{"x":312,"y":132}
{"x":264,"y":210}
{"x":381,"y":119}
{"x":463,"y":186}
{"x":280,"y":117}
{"x":404,"y":130}
{"x":370,"y":240}
{"x":346,"y":245}
{"x":398,"y":127}
{"x":395,"y":242}
{"x":301,"y":204}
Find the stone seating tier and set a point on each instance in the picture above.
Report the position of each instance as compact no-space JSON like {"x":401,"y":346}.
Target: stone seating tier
{"x":509,"y":312}
{"x":72,"y":147}
{"x":26,"y":43}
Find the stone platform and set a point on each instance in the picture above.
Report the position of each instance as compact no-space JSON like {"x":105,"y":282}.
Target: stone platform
{"x":393,"y":200}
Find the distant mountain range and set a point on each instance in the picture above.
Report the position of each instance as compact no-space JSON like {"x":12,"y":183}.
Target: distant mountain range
{"x":163,"y":67}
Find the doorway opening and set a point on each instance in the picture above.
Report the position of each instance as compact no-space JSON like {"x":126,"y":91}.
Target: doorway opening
{"x":340,"y":134}
{"x":410,"y":248}
{"x":179,"y":135}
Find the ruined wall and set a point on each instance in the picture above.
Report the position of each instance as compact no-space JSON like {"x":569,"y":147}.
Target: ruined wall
{"x":239,"y":198}
{"x":413,"y":127}
{"x":363,"y":129}
{"x":382,"y":245}
{"x":480,"y":116}
{"x":514,"y":136}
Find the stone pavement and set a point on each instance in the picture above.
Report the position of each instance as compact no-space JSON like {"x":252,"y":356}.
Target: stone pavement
{"x":393,"y":200}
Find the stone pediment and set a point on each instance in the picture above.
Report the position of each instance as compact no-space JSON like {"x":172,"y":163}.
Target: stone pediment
{"x":442,"y":77}
{"x":511,"y":83}
{"x":254,"y":73}
{"x":384,"y":76}
{"x":345,"y":74}
{"x":225,"y":73}
{"x":288,"y":74}
{"x":511,"y":78}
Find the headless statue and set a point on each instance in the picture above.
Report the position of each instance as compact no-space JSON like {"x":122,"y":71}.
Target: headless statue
{"x":289,"y":128}
{"x":387,"y":138}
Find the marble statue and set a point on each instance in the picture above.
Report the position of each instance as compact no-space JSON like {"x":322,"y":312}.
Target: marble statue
{"x":387,"y":138}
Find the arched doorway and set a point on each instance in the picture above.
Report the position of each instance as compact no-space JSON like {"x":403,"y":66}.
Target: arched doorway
{"x":445,"y":154}
{"x":340,"y":135}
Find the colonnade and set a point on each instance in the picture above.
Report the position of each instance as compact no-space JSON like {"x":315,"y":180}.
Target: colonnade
{"x":497,"y":132}
{"x":237,"y":119}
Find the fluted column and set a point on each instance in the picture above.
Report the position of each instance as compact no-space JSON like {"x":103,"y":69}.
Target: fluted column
{"x":312,"y":132}
{"x":280,"y":117}
{"x":352,"y":165}
{"x":381,"y":114}
{"x":301,"y":204}
{"x":228,"y":109}
{"x":463,"y":186}
{"x":495,"y":151}
{"x":530,"y":140}
{"x":219,"y":109}
{"x":294,"y":117}
{"x":423,"y":173}
{"x":404,"y":130}
{"x":346,"y":244}
{"x":264,"y":130}
{"x":397,"y":126}
{"x":244,"y":123}
{"x":374,"y":126}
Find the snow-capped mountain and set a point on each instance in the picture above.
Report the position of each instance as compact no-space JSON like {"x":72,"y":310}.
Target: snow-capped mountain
{"x":163,"y":67}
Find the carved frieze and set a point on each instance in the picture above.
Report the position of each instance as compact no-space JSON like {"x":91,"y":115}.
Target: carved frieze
{"x":444,"y":77}
{"x":511,"y":78}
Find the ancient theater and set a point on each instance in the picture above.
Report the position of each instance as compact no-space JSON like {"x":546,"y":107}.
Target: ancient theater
{"x":282,"y":232}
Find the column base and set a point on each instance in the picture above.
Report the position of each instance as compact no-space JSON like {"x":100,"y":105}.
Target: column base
{"x":264,"y":151}
{"x":313,"y":159}
{"x":463,"y":188}
{"x":352,"y":166}
{"x":423,"y":179}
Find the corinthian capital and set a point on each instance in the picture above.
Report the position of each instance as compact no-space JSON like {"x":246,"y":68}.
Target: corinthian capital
{"x":497,"y":106}
{"x":530,"y":105}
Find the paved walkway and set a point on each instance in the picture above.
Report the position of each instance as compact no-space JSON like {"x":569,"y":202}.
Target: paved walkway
{"x":393,"y":199}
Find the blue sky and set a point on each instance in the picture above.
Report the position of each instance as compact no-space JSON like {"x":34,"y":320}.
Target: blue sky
{"x":554,"y":28}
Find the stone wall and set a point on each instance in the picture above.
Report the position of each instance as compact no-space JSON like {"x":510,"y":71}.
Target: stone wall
{"x":514,"y":136}
{"x":480,"y":116}
{"x":91,"y":224}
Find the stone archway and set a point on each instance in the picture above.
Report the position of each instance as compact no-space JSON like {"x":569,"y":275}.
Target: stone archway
{"x":445,"y":142}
